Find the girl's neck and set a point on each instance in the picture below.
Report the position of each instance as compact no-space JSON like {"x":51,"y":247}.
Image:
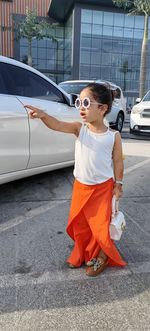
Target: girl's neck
{"x":97,"y":127}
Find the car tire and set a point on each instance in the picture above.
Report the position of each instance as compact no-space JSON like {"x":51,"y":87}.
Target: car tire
{"x":131,"y":131}
{"x":119,"y":122}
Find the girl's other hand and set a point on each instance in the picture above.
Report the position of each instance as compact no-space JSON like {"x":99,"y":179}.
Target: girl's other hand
{"x":35,"y":112}
{"x":117,"y":191}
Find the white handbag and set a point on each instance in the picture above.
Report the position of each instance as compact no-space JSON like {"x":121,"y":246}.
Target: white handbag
{"x":118,"y":223}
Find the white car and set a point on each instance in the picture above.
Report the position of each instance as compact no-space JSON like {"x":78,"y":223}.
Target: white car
{"x":140,"y":116}
{"x":27,"y":146}
{"x":118,"y":112}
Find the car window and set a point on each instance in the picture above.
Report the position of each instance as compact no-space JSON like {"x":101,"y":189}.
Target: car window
{"x":147,"y":97}
{"x":3,"y":88}
{"x":75,"y":88}
{"x":22,"y":82}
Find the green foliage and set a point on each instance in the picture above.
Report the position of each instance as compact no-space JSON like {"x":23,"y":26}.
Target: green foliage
{"x":32,"y":28}
{"x":142,"y":7}
{"x":123,"y":3}
{"x":134,"y":6}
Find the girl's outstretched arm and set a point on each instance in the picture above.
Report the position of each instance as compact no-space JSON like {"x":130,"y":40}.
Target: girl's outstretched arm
{"x":118,"y":165}
{"x":52,"y":123}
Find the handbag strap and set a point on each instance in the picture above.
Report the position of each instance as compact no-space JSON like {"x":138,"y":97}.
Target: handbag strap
{"x":115,"y":205}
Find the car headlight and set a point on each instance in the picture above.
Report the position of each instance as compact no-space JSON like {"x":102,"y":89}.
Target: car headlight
{"x":136,"y":110}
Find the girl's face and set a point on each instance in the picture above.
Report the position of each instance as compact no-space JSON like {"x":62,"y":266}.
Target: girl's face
{"x":90,"y":109}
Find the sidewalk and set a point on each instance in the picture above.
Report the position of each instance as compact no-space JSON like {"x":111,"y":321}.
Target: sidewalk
{"x":37,"y":290}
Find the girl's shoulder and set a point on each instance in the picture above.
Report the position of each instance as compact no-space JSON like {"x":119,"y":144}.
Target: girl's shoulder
{"x":114,"y":132}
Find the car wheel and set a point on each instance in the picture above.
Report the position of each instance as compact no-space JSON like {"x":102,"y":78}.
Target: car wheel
{"x":119,"y":122}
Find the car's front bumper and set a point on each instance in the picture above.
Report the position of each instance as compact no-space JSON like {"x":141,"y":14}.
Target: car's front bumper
{"x":139,"y":125}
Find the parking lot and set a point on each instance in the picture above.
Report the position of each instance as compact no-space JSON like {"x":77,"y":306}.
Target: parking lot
{"x":37,"y":290}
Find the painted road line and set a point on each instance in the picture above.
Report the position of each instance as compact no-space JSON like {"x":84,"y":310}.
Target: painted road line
{"x":56,"y":276}
{"x":136,"y":166}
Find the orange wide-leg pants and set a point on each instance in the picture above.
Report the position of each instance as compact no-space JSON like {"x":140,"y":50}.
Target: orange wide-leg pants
{"x":88,"y":223}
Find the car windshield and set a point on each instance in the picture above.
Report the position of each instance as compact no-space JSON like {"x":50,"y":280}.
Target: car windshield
{"x":147,"y":97}
{"x":74,"y":88}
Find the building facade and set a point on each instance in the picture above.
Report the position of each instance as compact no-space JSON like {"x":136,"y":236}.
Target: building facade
{"x":95,"y":40}
{"x":47,"y":54}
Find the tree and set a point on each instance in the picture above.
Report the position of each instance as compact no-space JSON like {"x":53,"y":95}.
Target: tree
{"x":125,"y":69}
{"x":31,"y":28}
{"x":136,"y":7}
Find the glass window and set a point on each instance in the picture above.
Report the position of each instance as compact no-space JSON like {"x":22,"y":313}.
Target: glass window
{"x":97,"y":17}
{"x":128,"y":33}
{"x":42,"y":53}
{"x":139,"y":22}
{"x":96,"y":29}
{"x":23,"y":51}
{"x":84,"y":71}
{"x":136,"y":59}
{"x":95,"y":58}
{"x":23,"y":42}
{"x":34,"y":43}
{"x":106,"y":59}
{"x":25,"y":83}
{"x":117,"y":45}
{"x":85,"y":42}
{"x":95,"y":72}
{"x":118,"y":32}
{"x":129,"y":21}
{"x":59,"y":32}
{"x":127,"y":46}
{"x":34,"y":52}
{"x":86,"y":16}
{"x":118,"y":19}
{"x":105,"y":72}
{"x":107,"y":30}
{"x":59,"y":44}
{"x":138,"y":34}
{"x":108,"y":18}
{"x":96,"y":44}
{"x":50,"y":64}
{"x":85,"y":57}
{"x":41,"y":63}
{"x":86,"y":28}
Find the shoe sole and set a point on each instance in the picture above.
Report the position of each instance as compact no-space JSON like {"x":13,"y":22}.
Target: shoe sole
{"x":98,"y":272}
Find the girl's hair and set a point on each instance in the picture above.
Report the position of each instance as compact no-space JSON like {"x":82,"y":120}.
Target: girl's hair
{"x":102,"y":94}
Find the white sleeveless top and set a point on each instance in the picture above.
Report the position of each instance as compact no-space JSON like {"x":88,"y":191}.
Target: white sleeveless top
{"x":93,"y":156}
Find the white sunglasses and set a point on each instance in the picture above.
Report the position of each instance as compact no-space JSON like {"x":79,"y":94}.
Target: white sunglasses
{"x":85,"y":103}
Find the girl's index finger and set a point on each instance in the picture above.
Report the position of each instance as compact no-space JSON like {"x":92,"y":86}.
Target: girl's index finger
{"x":29,"y":106}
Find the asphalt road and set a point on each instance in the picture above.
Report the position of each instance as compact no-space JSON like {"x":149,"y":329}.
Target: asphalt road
{"x":37,"y":290}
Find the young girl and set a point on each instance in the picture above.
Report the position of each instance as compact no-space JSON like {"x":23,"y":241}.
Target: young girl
{"x":98,"y":176}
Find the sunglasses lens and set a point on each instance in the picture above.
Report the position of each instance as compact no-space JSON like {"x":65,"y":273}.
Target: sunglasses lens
{"x":77,"y":103}
{"x":86,"y":103}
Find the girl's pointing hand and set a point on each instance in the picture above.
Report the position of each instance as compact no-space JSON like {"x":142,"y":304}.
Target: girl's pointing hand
{"x":35,"y":112}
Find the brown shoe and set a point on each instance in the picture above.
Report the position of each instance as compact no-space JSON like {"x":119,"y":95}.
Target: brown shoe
{"x":72,"y":266}
{"x":99,"y":265}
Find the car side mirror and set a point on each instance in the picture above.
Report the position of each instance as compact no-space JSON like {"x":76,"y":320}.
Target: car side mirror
{"x":138,"y":100}
{"x":73,"y":98}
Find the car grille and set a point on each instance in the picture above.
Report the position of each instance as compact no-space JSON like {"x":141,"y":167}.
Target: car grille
{"x":144,"y":128}
{"x":146,"y":113}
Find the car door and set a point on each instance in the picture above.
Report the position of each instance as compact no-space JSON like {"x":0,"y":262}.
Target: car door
{"x":14,"y":135}
{"x":46,"y":146}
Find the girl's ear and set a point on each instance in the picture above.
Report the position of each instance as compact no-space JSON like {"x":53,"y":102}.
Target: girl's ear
{"x":104,"y":109}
